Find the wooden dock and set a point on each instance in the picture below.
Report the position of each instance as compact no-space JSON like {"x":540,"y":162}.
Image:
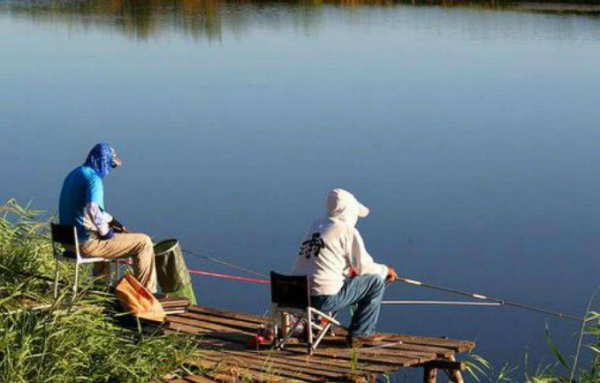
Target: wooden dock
{"x":223,"y":337}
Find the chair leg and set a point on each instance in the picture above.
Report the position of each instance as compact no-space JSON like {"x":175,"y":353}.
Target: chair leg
{"x":321,"y":336}
{"x":76,"y":280}
{"x":56,"y":274}
{"x":110,"y":274}
{"x":331,"y":328}
{"x":287,"y":337}
{"x":310,"y":328}
{"x":276,"y":334}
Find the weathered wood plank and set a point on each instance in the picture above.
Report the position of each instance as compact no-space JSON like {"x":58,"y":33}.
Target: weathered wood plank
{"x":348,"y":354}
{"x":456,"y":345}
{"x":251,"y":365}
{"x":233,"y":323}
{"x":223,"y":374}
{"x":232,"y":336}
{"x":361,"y":366}
{"x":209,"y":325}
{"x":274,"y":360}
{"x":198,"y":379}
{"x":229,"y":314}
{"x":439,"y":351}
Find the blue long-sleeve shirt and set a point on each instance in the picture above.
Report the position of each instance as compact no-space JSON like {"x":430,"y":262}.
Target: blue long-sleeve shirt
{"x":82,"y":204}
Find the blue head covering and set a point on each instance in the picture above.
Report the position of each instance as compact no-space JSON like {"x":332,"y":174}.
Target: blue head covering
{"x":100,"y":159}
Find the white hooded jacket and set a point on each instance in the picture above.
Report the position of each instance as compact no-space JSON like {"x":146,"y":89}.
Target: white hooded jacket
{"x":333,"y":249}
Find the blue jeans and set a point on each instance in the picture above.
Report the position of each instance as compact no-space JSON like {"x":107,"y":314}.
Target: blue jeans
{"x":366,"y":292}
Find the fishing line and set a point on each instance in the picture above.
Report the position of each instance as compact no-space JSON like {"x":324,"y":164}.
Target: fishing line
{"x":502,"y":302}
{"x":228,"y":276}
{"x":225,"y":263}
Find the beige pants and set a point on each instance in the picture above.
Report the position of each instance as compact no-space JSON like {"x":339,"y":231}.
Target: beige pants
{"x":139,"y":247}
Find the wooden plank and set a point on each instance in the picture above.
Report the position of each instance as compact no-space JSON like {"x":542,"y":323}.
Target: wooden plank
{"x":275,"y":360}
{"x":209,"y":325}
{"x":228,"y":336}
{"x":360,"y":365}
{"x":451,"y":344}
{"x":250,"y":366}
{"x":229,"y":377}
{"x":325,"y":365}
{"x":198,"y":379}
{"x":389,"y":349}
{"x":456,"y":345}
{"x":233,"y":323}
{"x":274,"y":369}
{"x":439,"y":351}
{"x":347,"y":354}
{"x":229,"y":314}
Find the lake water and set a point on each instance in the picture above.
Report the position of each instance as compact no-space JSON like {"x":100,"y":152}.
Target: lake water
{"x":472,"y":133}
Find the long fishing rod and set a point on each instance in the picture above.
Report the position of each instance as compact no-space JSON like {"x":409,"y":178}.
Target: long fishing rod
{"x":441,"y":303}
{"x":500,"y":301}
{"x":225,"y":263}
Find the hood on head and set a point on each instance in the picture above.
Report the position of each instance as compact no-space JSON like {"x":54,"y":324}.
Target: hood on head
{"x":342,"y":205}
{"x":101,"y":159}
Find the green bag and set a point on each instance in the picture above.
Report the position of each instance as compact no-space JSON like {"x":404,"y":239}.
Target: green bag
{"x":171,"y":270}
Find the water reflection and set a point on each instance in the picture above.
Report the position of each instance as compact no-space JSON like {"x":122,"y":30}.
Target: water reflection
{"x":208,"y":19}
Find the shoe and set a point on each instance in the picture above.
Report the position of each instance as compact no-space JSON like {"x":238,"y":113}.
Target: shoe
{"x":361,"y":340}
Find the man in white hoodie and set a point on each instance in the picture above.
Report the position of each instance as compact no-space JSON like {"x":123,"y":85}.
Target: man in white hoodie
{"x":342,"y":273}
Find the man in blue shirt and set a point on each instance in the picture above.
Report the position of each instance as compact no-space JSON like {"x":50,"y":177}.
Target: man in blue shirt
{"x":99,"y":234}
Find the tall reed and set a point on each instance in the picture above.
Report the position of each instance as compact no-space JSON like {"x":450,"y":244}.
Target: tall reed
{"x":81,"y":342}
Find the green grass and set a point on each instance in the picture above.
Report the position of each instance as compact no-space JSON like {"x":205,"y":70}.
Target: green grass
{"x":78,"y":342}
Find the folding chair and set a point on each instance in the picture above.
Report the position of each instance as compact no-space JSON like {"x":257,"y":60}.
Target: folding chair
{"x":67,"y":237}
{"x":291,"y":295}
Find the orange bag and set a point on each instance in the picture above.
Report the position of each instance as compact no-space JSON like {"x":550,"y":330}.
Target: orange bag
{"x":137,"y":300}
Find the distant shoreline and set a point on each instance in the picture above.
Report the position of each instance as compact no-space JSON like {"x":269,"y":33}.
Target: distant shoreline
{"x":545,"y":6}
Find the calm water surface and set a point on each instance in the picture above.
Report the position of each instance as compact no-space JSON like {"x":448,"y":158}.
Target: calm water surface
{"x":473,"y":134}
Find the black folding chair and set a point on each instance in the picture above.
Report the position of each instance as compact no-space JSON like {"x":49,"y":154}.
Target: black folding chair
{"x":291,"y":295}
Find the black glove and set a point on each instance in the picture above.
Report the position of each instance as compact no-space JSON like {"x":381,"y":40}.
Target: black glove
{"x":118,"y":226}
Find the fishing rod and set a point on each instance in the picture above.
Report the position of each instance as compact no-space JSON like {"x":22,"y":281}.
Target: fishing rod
{"x":499,"y":301}
{"x":225,"y":263}
{"x":441,"y":303}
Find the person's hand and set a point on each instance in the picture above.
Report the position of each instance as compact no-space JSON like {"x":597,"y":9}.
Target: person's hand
{"x":121,"y":229}
{"x":118,"y":226}
{"x":391,"y":275}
